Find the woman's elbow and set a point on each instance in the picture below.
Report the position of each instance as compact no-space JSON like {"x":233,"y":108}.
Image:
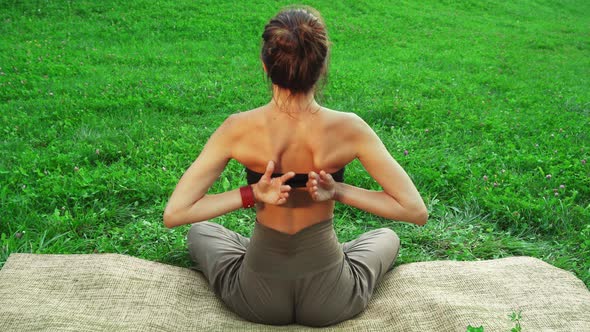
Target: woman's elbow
{"x":421,"y":216}
{"x":417,"y":214}
{"x":170,"y":219}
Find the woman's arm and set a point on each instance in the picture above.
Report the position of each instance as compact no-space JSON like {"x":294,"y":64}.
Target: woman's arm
{"x":189,"y":202}
{"x":382,"y":204}
{"x":399,"y":199}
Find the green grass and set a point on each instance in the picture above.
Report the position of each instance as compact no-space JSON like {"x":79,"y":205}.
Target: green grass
{"x":103,"y":105}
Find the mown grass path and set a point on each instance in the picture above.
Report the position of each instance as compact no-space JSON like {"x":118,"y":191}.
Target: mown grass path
{"x":103,"y":105}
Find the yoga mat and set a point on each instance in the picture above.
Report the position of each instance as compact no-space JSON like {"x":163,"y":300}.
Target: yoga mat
{"x":111,"y":292}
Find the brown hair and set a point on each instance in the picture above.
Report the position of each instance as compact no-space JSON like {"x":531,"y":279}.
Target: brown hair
{"x":295,"y":49}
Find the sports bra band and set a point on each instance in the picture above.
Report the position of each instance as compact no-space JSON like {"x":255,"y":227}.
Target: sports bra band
{"x":298,"y":181}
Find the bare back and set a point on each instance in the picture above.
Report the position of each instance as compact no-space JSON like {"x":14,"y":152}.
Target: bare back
{"x":302,"y":142}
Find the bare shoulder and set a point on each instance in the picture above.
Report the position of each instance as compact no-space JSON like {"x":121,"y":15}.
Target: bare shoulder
{"x":236,"y":124}
{"x":347,"y":121}
{"x":340,"y":116}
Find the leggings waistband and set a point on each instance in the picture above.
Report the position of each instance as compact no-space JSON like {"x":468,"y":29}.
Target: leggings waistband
{"x":276,"y":254}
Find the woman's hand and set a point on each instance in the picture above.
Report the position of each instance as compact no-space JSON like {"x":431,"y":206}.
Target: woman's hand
{"x":272,"y":190}
{"x":321,"y":187}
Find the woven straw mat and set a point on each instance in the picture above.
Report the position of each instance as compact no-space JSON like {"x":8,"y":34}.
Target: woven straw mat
{"x":110,"y":292}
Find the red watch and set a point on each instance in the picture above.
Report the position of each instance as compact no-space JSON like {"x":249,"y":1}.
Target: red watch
{"x":247,"y":194}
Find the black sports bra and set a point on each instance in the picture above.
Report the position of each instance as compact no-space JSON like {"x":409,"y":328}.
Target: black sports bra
{"x":298,"y":181}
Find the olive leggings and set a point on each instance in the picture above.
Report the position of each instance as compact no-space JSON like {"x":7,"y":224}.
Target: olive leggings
{"x":306,"y":278}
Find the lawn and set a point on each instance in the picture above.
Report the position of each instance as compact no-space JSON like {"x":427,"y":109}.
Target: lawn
{"x":104,"y":104}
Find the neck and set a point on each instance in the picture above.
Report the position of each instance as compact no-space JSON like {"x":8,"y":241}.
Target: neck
{"x":293,"y":103}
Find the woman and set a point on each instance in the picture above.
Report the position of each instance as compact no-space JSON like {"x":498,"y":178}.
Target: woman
{"x":292,"y":269}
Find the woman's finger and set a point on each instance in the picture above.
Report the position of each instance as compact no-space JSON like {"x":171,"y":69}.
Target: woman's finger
{"x":285,"y":188}
{"x":285,"y":177}
{"x":270,"y":167}
{"x":326,"y":177}
{"x":313,"y":176}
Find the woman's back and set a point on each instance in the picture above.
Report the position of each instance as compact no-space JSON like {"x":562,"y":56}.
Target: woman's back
{"x":312,"y":139}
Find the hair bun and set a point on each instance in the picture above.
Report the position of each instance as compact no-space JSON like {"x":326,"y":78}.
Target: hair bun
{"x":295,"y":49}
{"x":287,"y":42}
{"x":305,"y":38}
